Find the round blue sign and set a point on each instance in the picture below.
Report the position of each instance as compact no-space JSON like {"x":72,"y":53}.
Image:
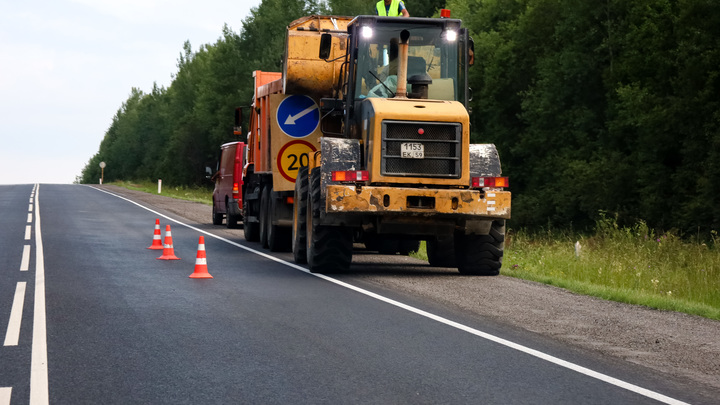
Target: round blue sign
{"x":298,"y":116}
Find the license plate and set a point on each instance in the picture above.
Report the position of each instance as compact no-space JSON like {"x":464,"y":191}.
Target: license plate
{"x":412,"y":150}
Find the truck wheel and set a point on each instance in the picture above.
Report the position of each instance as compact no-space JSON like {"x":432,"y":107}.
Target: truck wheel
{"x":329,"y":248}
{"x":278,"y":236}
{"x":264,"y":217}
{"x":481,"y":255}
{"x":441,"y":251}
{"x":231,"y":221}
{"x":299,"y":230}
{"x":250,"y":229}
{"x":216,"y":218}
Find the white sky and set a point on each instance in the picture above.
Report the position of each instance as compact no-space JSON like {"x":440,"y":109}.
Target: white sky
{"x":66,"y":66}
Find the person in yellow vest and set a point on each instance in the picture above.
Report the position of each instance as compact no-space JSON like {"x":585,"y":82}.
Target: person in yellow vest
{"x":391,"y":8}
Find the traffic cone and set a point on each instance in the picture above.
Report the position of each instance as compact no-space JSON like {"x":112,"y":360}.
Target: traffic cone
{"x":201,"y":270}
{"x":168,"y":250}
{"x":157,"y":240}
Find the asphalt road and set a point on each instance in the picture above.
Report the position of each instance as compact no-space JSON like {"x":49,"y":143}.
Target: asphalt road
{"x":119,"y":326}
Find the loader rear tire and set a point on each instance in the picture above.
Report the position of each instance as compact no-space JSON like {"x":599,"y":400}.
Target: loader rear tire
{"x":481,"y":255}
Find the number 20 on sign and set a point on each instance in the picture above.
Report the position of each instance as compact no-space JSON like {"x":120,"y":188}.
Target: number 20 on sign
{"x":292,"y":156}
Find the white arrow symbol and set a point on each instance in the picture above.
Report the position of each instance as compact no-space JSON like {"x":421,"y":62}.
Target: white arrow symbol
{"x":292,"y":118}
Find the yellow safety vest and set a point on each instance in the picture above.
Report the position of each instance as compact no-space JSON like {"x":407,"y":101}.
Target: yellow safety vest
{"x":394,"y":8}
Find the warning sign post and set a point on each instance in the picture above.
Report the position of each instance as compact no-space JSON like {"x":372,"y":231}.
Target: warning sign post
{"x":295,"y":137}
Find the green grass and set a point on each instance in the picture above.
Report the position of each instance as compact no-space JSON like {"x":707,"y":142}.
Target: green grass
{"x":631,"y":265}
{"x":199,"y":194}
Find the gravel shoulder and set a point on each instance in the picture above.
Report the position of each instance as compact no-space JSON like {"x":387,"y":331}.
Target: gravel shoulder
{"x":677,"y":344}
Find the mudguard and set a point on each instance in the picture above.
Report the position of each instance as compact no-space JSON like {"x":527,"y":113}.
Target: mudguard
{"x":337,"y":154}
{"x":484,"y":161}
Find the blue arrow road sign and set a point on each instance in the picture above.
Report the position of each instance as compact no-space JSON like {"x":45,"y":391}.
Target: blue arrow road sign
{"x":298,"y":116}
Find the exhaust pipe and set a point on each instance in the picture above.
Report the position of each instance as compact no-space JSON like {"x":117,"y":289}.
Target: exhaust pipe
{"x":402,"y":64}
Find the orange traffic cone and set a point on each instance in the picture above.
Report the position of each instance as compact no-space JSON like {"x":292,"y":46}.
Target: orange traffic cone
{"x":201,"y":270}
{"x":168,"y":250}
{"x":157,"y":240}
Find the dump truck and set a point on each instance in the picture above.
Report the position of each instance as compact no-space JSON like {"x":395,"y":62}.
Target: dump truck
{"x":364,"y":137}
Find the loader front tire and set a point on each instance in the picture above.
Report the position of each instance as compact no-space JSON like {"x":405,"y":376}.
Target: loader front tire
{"x":329,"y":248}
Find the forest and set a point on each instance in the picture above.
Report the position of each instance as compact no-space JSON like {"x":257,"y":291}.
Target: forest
{"x":605,"y":108}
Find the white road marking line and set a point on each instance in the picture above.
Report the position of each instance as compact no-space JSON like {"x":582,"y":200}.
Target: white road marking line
{"x":524,"y":349}
{"x":25,"y":263}
{"x":12,"y":336}
{"x":30,"y":208}
{"x":39,"y":391}
{"x":5,"y":394}
{"x":28,"y":229}
{"x":29,"y":220}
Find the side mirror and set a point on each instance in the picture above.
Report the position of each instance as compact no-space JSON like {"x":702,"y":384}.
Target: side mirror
{"x":325,"y":45}
{"x":237,"y":129}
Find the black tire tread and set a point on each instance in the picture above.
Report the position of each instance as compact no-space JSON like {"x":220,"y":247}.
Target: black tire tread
{"x":481,"y":255}
{"x":250,"y":229}
{"x":330,"y":249}
{"x":217,"y":219}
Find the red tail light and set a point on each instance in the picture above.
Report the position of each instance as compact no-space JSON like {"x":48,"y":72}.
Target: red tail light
{"x":493,"y":182}
{"x":350,"y":175}
{"x":236,"y":190}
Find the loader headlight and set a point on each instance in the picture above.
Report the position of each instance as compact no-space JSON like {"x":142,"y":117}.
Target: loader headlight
{"x":451,"y":36}
{"x":366,"y":32}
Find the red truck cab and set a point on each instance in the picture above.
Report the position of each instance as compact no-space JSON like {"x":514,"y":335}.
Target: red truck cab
{"x":227,"y":195}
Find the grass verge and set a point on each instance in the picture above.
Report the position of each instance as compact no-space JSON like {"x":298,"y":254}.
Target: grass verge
{"x":626,"y":264}
{"x":631,"y":265}
{"x":199,"y":194}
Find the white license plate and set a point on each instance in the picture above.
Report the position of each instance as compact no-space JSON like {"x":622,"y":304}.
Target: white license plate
{"x":412,"y":150}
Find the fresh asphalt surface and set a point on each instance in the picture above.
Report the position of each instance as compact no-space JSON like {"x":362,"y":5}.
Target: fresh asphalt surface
{"x":124,"y":327}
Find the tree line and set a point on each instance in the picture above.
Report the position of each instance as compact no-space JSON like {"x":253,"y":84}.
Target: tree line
{"x":596,"y":107}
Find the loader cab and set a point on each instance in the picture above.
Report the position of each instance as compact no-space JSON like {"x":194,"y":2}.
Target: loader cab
{"x":438,"y":52}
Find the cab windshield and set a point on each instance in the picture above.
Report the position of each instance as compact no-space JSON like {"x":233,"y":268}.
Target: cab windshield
{"x":430,"y":51}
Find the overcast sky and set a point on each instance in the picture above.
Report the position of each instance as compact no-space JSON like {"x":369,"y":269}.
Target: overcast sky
{"x":66,"y":66}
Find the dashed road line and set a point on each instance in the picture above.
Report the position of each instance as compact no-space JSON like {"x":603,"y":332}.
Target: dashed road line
{"x":12,"y":336}
{"x":5,"y":394}
{"x":25,"y":263}
{"x":28,"y":231}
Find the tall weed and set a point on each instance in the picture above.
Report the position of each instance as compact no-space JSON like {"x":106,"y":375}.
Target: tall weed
{"x":628,"y":264}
